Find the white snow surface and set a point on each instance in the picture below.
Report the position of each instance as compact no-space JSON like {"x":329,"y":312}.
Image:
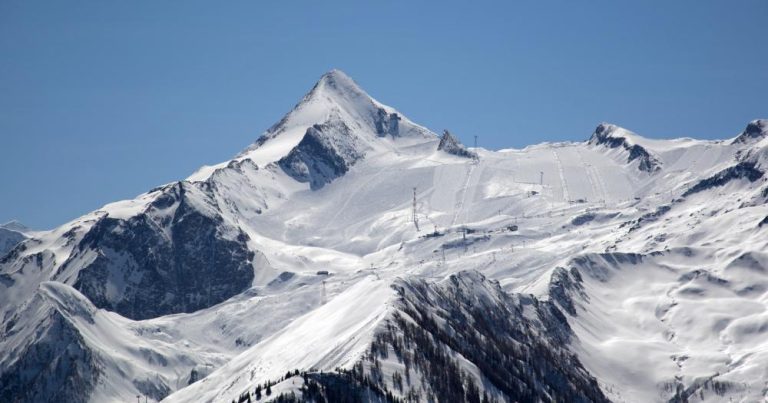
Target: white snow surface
{"x":644,"y":328}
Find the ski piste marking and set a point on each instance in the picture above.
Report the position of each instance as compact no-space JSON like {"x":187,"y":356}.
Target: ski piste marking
{"x":601,"y":183}
{"x":589,"y":174}
{"x":460,"y":205}
{"x":471,"y":188}
{"x":593,"y":174}
{"x":566,"y":196}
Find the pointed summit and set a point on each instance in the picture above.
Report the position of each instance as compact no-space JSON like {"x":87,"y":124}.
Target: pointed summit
{"x":339,"y":82}
{"x":335,"y":87}
{"x":335,"y":101}
{"x":346,"y":120}
{"x":336,"y":74}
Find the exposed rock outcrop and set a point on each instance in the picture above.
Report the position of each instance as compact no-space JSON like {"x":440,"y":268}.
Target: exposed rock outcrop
{"x":451,"y":145}
{"x":326,"y":152}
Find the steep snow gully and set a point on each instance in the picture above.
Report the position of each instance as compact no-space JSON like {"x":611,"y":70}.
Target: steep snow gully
{"x":620,"y":269}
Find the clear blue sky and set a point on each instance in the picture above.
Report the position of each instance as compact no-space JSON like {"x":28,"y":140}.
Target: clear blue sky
{"x":103,"y":100}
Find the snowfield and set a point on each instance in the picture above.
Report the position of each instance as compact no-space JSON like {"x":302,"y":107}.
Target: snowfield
{"x":645,"y":259}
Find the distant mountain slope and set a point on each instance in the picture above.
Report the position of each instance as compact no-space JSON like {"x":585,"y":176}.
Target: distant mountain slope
{"x":11,"y":234}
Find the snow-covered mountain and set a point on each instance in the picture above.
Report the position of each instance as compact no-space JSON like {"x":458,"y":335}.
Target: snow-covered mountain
{"x":351,"y":251}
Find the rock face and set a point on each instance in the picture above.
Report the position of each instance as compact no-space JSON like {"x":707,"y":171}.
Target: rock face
{"x":743,"y":170}
{"x":451,"y":145}
{"x":326,"y":152}
{"x":756,"y":129}
{"x":611,"y":136}
{"x":516,"y":341}
{"x":173,"y":258}
{"x":387,"y":124}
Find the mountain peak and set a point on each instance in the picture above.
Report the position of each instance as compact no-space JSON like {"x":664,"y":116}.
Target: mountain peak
{"x":605,"y":130}
{"x":610,"y":133}
{"x":335,"y":101}
{"x":755,"y":129}
{"x":336,"y":77}
{"x":612,"y":136}
{"x":335,"y":82}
